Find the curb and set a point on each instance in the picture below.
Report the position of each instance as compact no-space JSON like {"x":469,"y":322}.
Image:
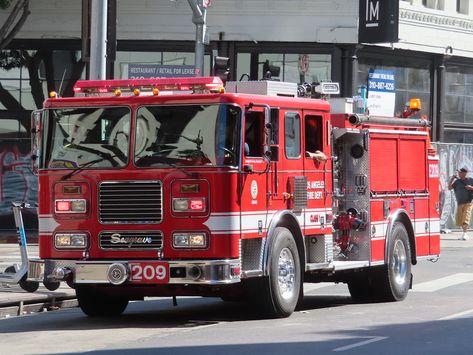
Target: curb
{"x":24,"y":307}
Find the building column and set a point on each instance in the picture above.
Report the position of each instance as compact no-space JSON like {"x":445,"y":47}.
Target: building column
{"x":439,"y":102}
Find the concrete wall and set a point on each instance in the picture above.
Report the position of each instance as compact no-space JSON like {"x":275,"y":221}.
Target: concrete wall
{"x":324,"y":21}
{"x":431,"y":30}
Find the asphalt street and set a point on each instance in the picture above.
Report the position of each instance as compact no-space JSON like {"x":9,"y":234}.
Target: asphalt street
{"x":15,"y":301}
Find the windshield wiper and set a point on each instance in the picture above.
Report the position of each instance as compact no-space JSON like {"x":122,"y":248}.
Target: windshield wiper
{"x":85,"y":165}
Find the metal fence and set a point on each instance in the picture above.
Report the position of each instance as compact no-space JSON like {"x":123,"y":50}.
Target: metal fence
{"x":452,"y":156}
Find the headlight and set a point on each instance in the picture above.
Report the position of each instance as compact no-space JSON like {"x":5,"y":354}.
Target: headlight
{"x":70,"y":240}
{"x":70,"y":206}
{"x":189,"y":240}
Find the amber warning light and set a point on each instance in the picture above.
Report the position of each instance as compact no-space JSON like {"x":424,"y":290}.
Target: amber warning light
{"x":137,"y":87}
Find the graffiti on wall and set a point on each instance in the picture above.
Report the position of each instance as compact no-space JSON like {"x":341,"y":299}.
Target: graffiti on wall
{"x":452,"y":157}
{"x":17,"y":183}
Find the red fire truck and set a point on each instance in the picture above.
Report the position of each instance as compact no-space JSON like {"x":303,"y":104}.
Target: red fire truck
{"x":171,"y":187}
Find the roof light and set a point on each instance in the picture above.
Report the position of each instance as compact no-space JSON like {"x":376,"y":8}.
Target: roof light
{"x":53,"y":94}
{"x":415,"y":104}
{"x":149,"y":86}
{"x":117,"y":92}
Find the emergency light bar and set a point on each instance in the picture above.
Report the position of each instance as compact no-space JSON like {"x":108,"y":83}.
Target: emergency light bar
{"x":149,"y":86}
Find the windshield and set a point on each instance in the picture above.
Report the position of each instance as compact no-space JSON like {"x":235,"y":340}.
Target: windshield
{"x":187,"y":135}
{"x":87,"y":137}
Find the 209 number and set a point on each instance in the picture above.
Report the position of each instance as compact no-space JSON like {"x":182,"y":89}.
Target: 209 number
{"x":149,"y":273}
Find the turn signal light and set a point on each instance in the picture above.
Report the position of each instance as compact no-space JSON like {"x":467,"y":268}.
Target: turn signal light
{"x":70,"y":206}
{"x":188,"y":204}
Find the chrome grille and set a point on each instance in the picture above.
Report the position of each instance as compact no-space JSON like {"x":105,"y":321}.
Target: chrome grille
{"x":131,"y":240}
{"x":131,"y":202}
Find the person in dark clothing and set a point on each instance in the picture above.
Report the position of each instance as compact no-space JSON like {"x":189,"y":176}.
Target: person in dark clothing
{"x":463,"y":188}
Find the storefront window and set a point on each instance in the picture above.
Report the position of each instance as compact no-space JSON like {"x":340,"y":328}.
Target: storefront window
{"x":454,"y":136}
{"x":16,"y":82}
{"x":296,"y":68}
{"x":243,"y":66}
{"x":64,"y":68}
{"x":155,"y":59}
{"x":459,"y":95}
{"x":410,"y":82}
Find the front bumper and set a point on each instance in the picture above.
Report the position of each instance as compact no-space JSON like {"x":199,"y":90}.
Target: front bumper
{"x":118,"y":272}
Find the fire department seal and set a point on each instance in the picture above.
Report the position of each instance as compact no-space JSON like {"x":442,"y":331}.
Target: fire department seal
{"x":254,"y":189}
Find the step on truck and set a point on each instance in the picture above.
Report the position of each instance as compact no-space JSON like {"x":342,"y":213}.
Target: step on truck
{"x":181,"y":186}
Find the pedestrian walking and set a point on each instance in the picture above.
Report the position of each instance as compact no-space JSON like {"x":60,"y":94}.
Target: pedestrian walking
{"x":463,"y":188}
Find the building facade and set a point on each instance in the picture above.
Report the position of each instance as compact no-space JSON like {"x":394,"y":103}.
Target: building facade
{"x":306,"y":40}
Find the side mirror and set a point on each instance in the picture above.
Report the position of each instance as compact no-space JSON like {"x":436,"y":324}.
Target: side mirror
{"x":36,"y":120}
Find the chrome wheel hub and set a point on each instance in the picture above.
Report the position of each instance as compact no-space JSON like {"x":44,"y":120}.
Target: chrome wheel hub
{"x":286,"y":275}
{"x":399,"y":263}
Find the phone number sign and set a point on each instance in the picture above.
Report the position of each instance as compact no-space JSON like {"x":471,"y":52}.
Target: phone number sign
{"x":381,"y":92}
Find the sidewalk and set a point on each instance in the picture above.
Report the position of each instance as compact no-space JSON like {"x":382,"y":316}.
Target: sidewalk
{"x":14,"y":301}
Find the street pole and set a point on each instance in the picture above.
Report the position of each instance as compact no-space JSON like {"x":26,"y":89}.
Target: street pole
{"x":98,"y":40}
{"x":199,"y":14}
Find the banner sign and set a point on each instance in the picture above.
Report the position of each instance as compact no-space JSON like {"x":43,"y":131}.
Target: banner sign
{"x":378,"y":21}
{"x":150,"y":71}
{"x":381,"y":92}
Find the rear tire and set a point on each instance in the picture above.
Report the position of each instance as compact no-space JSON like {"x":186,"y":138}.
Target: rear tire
{"x":394,"y":279}
{"x":277,"y":294}
{"x":361,"y":288}
{"x":390,"y":282}
{"x":97,"y":304}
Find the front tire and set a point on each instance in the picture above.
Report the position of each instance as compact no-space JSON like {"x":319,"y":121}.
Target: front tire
{"x":97,"y":304}
{"x":278,"y":293}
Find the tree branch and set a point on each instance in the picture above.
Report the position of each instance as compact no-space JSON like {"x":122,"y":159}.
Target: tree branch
{"x":32,"y":64}
{"x":7,"y":34}
{"x":8,"y":100}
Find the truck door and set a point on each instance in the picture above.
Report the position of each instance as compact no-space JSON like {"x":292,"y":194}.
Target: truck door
{"x":255,"y":177}
{"x":318,"y":174}
{"x":292,"y":175}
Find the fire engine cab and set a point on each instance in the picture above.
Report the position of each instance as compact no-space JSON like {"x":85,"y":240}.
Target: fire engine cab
{"x":181,"y":186}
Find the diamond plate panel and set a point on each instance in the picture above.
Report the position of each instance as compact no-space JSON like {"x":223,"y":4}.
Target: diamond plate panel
{"x":252,"y":254}
{"x":352,"y":179}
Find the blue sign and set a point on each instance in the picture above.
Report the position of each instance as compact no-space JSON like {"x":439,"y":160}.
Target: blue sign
{"x":381,"y":80}
{"x":150,"y":71}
